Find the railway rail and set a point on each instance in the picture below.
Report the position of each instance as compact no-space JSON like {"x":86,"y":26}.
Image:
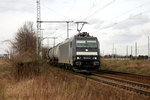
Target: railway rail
{"x":134,"y":86}
{"x":140,"y":76}
{"x":128,"y":76}
{"x":121,"y":83}
{"x":142,"y":85}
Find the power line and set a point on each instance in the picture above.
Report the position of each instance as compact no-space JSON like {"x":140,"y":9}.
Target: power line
{"x":56,"y":12}
{"x":116,"y":23}
{"x":93,"y":6}
{"x":130,"y":10}
{"x":59,"y":22}
{"x":96,"y":11}
{"x":71,"y":7}
{"x":100,"y":9}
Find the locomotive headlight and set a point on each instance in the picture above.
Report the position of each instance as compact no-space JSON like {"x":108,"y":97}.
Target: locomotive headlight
{"x":95,"y":58}
{"x":78,"y":57}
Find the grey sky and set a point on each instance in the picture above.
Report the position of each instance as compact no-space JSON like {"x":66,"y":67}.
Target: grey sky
{"x":123,"y":22}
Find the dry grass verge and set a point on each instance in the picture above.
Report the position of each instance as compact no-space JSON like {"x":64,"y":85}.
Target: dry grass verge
{"x":56,"y":84}
{"x":134,"y":66}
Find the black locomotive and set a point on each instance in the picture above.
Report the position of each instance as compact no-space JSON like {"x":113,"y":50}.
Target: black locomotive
{"x":80,"y":53}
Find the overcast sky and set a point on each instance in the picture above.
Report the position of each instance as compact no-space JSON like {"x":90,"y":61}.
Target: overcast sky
{"x":118,"y":22}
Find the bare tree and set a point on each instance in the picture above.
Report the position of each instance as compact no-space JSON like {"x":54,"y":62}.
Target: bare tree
{"x":23,"y":53}
{"x":25,"y":40}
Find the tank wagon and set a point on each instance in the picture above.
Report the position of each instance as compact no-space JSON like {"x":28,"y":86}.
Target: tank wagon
{"x":80,"y":52}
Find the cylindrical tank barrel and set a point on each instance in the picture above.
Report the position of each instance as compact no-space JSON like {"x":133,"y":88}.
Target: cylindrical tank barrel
{"x":53,"y":52}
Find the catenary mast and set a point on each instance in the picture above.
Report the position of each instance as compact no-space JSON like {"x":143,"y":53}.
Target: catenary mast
{"x":38,"y":35}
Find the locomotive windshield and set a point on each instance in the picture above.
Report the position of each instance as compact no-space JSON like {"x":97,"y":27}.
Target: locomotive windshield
{"x":91,"y":43}
{"x":86,"y":43}
{"x":81,"y":43}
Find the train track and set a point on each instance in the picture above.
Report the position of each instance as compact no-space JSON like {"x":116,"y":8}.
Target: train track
{"x":128,"y":76}
{"x":134,"y":86}
{"x":121,"y":83}
{"x":140,"y":76}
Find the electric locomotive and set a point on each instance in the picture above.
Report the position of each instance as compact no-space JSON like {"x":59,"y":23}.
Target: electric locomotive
{"x":78,"y":53}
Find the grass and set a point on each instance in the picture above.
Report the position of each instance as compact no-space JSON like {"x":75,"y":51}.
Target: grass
{"x":134,"y":66}
{"x":56,"y":84}
{"x":5,"y":68}
{"x":60,"y":85}
{"x":2,"y":90}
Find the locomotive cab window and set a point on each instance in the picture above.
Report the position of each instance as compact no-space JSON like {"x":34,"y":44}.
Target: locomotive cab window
{"x":86,"y":43}
{"x":91,"y":43}
{"x":81,"y":43}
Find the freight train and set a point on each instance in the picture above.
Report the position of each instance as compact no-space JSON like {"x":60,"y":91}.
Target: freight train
{"x":79,"y":53}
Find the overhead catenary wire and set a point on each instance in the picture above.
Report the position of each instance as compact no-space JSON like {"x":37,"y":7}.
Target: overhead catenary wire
{"x":96,"y":10}
{"x":74,"y":3}
{"x":131,"y":17}
{"x":117,"y":23}
{"x":124,"y":13}
{"x":88,"y":11}
{"x":93,"y":6}
{"x":100,"y":9}
{"x":56,"y":12}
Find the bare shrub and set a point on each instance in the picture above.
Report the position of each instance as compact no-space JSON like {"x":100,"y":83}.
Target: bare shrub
{"x":25,"y":68}
{"x":45,"y":52}
{"x":23,"y":55}
{"x":25,"y":40}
